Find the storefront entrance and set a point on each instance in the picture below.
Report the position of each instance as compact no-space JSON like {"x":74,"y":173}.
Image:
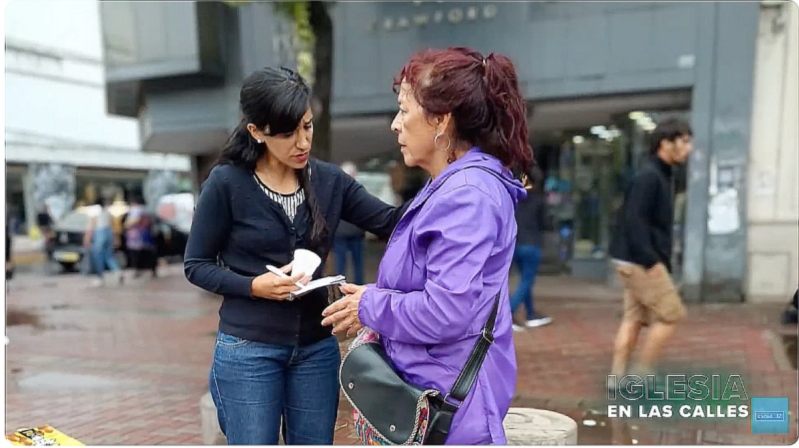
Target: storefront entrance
{"x":586,"y":172}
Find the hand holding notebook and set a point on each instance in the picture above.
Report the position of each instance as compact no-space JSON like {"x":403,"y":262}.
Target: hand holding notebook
{"x":307,"y":262}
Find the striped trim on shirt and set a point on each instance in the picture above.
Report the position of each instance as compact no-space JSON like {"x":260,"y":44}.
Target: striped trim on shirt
{"x":289,"y":202}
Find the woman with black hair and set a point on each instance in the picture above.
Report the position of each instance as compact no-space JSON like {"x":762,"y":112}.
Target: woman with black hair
{"x":265,"y":198}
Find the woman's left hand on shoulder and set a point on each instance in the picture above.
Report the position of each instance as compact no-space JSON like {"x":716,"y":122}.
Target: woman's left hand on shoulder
{"x":343,"y":313}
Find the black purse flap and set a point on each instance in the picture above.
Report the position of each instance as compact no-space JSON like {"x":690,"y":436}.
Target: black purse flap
{"x":375,"y":390}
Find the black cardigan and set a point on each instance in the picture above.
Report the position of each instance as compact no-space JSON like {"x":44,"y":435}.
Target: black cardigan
{"x":645,"y":221}
{"x":237,"y":230}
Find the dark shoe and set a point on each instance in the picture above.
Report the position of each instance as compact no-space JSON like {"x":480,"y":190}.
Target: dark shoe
{"x":789,"y":317}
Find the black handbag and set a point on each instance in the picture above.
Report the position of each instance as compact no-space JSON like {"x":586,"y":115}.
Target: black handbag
{"x":393,"y":412}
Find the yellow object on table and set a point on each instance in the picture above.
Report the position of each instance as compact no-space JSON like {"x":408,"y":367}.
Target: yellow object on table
{"x":41,"y":436}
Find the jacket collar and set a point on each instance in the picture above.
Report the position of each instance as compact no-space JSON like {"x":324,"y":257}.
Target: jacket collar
{"x":474,"y":157}
{"x":662,"y":166}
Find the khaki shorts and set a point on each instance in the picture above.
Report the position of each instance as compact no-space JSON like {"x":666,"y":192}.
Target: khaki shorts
{"x":649,"y":295}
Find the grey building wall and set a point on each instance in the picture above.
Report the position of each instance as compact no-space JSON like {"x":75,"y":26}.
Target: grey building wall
{"x":589,"y":49}
{"x":562,"y":50}
{"x":715,"y":263}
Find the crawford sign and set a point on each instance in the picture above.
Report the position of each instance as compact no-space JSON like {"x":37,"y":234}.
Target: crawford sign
{"x":454,"y":16}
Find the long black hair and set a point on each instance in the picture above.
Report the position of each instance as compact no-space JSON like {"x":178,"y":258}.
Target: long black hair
{"x":278,"y":98}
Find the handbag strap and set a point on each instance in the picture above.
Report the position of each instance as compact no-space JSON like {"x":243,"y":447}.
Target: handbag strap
{"x":468,"y":376}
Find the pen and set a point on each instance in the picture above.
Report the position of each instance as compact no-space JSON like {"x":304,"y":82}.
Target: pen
{"x":280,"y":273}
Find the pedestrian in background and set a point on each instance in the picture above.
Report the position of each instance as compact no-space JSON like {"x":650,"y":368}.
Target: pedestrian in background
{"x":99,"y":240}
{"x":530,"y":218}
{"x":641,"y":250}
{"x":139,"y":239}
{"x":9,"y":263}
{"x":44,"y":221}
{"x":349,"y":240}
{"x":134,"y":235}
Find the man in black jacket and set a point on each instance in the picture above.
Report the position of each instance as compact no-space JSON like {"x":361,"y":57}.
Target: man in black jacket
{"x":641,"y":250}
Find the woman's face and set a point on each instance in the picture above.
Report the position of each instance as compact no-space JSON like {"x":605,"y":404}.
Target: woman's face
{"x":415,"y":133}
{"x":291,"y":149}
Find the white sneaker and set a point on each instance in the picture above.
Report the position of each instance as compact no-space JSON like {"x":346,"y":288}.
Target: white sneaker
{"x":538,"y":321}
{"x":114,"y":278}
{"x":517,"y":327}
{"x":97,"y":283}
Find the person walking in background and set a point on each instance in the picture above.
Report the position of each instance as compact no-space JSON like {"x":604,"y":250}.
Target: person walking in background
{"x":150,"y":238}
{"x":139,"y":238}
{"x":641,"y":250}
{"x":9,"y":263}
{"x":349,"y":239}
{"x":44,"y":220}
{"x":134,"y":238}
{"x":791,"y":314}
{"x":530,"y":215}
{"x":99,"y":239}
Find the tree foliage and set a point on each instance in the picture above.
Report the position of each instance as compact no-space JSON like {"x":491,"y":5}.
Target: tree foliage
{"x":312,"y":43}
{"x":298,"y":13}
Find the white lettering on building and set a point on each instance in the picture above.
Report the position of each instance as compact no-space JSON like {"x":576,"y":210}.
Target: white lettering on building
{"x":452,"y":16}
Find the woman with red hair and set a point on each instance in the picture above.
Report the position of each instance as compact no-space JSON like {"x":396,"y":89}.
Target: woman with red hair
{"x":462,"y":118}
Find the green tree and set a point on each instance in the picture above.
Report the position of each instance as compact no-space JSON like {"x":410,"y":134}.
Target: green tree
{"x":313,"y":45}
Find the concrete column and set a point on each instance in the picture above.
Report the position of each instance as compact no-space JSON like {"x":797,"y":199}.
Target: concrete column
{"x":714,"y":268}
{"x":27,"y":199}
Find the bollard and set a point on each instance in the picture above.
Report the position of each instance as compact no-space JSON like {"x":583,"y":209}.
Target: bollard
{"x":527,"y":426}
{"x":212,"y":433}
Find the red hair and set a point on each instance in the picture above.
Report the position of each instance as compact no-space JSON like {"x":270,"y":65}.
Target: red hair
{"x":482,"y":94}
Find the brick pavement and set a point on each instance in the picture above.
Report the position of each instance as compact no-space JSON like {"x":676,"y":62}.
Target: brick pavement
{"x":128,"y":365}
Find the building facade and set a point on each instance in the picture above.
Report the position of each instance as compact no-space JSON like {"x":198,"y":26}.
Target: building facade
{"x":773,"y":196}
{"x":597,"y":75}
{"x":60,"y":142}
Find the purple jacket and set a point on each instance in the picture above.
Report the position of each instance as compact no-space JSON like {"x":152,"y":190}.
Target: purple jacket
{"x":448,"y":257}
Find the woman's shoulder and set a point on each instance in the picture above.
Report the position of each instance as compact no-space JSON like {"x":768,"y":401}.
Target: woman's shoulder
{"x":472,"y":181}
{"x":325,"y":170}
{"x":226,"y":173}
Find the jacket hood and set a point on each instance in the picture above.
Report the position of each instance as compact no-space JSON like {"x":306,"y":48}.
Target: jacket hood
{"x":476,"y":158}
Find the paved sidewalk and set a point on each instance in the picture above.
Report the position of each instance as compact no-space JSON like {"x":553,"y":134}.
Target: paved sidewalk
{"x":128,"y":365}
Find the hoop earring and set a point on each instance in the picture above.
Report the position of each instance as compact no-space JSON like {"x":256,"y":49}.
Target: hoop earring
{"x":435,"y":141}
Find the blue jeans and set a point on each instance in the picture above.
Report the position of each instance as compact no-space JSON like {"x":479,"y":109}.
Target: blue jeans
{"x":253,"y":384}
{"x":103,"y":251}
{"x":527,"y":257}
{"x":355,"y":247}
